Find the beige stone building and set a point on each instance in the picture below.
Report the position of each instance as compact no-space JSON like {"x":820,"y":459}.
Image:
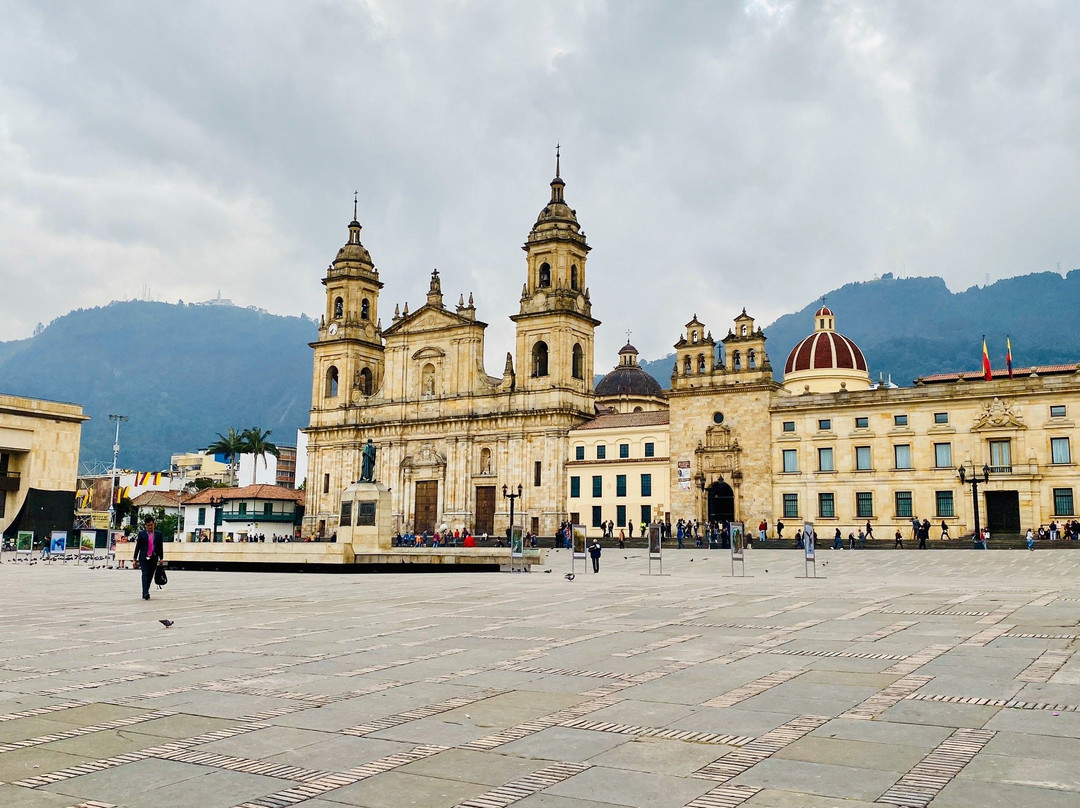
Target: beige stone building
{"x":39,"y":464}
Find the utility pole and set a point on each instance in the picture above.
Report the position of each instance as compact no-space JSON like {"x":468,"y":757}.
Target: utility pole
{"x":112,"y":478}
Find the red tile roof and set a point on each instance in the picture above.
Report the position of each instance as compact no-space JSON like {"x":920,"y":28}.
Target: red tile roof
{"x":1000,"y":373}
{"x":158,"y":499}
{"x":617,"y":420}
{"x":271,"y":492}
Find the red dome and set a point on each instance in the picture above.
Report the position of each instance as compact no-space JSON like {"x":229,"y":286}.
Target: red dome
{"x":824,"y":311}
{"x":825,"y":350}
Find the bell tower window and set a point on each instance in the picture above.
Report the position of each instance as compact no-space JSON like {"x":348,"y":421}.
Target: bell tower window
{"x":365,"y":309}
{"x":573,"y":277}
{"x":540,"y":359}
{"x":331,"y":382}
{"x":579,"y":362}
{"x":365,"y":381}
{"x":339,"y":308}
{"x":545,"y":276}
{"x":737,"y":360}
{"x":687,"y":366}
{"x":751,"y":359}
{"x":701,"y":363}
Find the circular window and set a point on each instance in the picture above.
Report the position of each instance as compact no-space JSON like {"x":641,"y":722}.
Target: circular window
{"x":718,"y":418}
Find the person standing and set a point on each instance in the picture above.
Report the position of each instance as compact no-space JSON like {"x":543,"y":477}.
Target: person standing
{"x":763,"y":531}
{"x":922,"y":532}
{"x":899,"y":540}
{"x":148,"y":553}
{"x":1030,"y":539}
{"x":915,"y":525}
{"x":594,"y":553}
{"x":630,"y":527}
{"x":779,"y":529}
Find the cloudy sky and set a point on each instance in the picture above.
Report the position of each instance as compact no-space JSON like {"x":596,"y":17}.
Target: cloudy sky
{"x":719,"y":154}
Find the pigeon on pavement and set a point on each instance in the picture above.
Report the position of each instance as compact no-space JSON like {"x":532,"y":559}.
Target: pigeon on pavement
{"x":166,"y":623}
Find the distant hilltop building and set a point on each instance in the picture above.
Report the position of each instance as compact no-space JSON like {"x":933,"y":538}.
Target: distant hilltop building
{"x":725,"y":441}
{"x":216,"y":301}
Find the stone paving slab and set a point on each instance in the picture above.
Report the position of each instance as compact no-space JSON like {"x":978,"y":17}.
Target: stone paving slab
{"x":939,"y":679}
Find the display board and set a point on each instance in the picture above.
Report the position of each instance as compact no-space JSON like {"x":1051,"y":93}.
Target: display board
{"x":738,"y":540}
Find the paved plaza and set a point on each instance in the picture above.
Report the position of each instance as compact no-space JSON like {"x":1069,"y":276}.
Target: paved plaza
{"x":944,"y":678}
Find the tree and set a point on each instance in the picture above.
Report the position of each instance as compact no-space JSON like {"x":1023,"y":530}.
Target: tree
{"x":256,"y":442}
{"x":232,"y":446}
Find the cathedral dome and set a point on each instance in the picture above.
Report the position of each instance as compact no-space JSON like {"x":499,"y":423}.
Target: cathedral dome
{"x":826,"y":360}
{"x":628,"y":379}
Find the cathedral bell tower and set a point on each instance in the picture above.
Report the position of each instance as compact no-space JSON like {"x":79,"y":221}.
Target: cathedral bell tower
{"x":555,"y":325}
{"x":349,"y":357}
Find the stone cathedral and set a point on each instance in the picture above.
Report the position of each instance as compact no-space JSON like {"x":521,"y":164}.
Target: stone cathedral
{"x":448,"y":435}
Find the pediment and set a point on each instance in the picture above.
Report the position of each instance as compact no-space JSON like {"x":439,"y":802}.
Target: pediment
{"x":428,"y":318}
{"x":997,"y":414}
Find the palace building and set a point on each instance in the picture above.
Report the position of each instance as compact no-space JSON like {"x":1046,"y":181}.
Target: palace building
{"x":725,"y":441}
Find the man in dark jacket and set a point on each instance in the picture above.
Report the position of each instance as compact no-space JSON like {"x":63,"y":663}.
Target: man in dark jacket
{"x":148,"y":553}
{"x":594,"y":553}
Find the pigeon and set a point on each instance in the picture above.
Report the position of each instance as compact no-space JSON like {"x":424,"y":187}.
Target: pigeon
{"x":166,"y":623}
{"x":570,"y":576}
{"x":547,"y":570}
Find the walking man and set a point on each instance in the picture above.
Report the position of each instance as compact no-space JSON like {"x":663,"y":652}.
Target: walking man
{"x":594,"y":553}
{"x":869,"y":530}
{"x":899,"y":540}
{"x":945,"y":530}
{"x":148,"y":553}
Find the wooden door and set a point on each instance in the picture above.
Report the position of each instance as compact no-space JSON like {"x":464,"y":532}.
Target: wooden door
{"x":426,"y":506}
{"x":485,"y":510}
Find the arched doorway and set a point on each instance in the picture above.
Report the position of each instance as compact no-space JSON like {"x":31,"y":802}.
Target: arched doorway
{"x":721,"y":502}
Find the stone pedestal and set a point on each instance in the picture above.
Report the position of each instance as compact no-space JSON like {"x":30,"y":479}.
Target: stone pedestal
{"x":366,"y":518}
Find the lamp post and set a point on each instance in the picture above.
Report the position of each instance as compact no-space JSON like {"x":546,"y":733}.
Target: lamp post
{"x":962,"y":473}
{"x":215,"y":503}
{"x":112,"y":480}
{"x":511,"y":496}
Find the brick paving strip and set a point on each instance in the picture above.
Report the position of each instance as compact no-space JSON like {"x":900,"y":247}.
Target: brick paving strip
{"x":988,"y":635}
{"x":656,"y":646}
{"x":723,"y":797}
{"x":525,"y":787}
{"x":658,"y":732}
{"x":886,"y":631}
{"x":794,"y":607}
{"x":937,"y":612}
{"x":94,"y":804}
{"x":420,"y":712}
{"x":765,"y":643}
{"x":567,"y":672}
{"x":735,"y":763}
{"x":246,"y":765}
{"x":334,"y":780}
{"x":1011,"y":704}
{"x":887,"y":697}
{"x":757,"y":687}
{"x":76,"y":732}
{"x":1045,"y":666}
{"x":930,"y":775}
{"x":917,"y":660}
{"x":836,"y":654}
{"x":1027,"y":636}
{"x":64,"y":705}
{"x":397,"y":664}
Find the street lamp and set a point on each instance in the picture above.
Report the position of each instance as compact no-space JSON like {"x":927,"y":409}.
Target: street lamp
{"x":215,"y":503}
{"x":962,"y":472}
{"x":512,"y":496}
{"x":112,"y":479}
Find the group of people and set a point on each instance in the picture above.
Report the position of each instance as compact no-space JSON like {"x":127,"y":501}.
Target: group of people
{"x":438,"y":538}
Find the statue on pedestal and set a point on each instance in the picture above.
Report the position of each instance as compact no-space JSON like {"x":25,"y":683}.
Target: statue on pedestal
{"x":367,"y":464}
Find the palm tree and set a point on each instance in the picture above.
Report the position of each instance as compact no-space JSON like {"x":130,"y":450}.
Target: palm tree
{"x":256,"y":443}
{"x":232,"y":446}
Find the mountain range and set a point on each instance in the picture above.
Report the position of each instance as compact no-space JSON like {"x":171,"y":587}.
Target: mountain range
{"x":183,"y":373}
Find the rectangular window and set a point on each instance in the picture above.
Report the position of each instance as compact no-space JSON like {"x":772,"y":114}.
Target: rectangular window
{"x":537,"y":473}
{"x":789,"y":426}
{"x":941,"y":417}
{"x":624,"y":450}
{"x":1063,"y":502}
{"x":241,"y":509}
{"x":1059,"y":450}
{"x":1057,"y":411}
{"x":903,"y":504}
{"x":326,"y":484}
{"x":202,"y":516}
{"x":575,"y":487}
{"x":597,"y":516}
{"x":620,"y":485}
{"x":864,"y":505}
{"x":825,"y":460}
{"x":601,"y":452}
{"x":650,"y":449}
{"x":791,"y":460}
{"x":620,"y":515}
{"x":862,"y":422}
{"x":944,"y":503}
{"x":646,"y":485}
{"x":268,"y":509}
{"x":943,"y":455}
{"x":826,"y":506}
{"x":1000,"y":456}
{"x":824,"y":424}
{"x":862,"y":458}
{"x":579,"y":453}
{"x":646,"y":514}
{"x":3,"y":503}
{"x":346,"y":513}
{"x":899,"y":420}
{"x":791,"y":506}
{"x":902,"y":455}
{"x":597,"y":486}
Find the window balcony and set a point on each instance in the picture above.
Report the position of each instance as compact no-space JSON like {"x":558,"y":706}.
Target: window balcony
{"x":248,"y":516}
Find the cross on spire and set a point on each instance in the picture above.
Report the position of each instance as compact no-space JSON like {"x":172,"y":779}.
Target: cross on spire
{"x":556,"y":159}
{"x":628,"y":333}
{"x":355,"y":196}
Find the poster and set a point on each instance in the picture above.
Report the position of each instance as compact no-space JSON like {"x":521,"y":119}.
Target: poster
{"x":738,"y":540}
{"x":654,"y":539}
{"x":86,"y":540}
{"x":578,"y":533}
{"x":24,"y":541}
{"x":58,"y":543}
{"x":517,"y":542}
{"x":808,"y":540}
{"x":684,"y":475}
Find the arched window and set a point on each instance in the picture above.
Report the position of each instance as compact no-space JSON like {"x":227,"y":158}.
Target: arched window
{"x":485,"y":461}
{"x":573,"y":277}
{"x":365,"y":309}
{"x":638,"y":409}
{"x":687,"y":365}
{"x":365,"y":381}
{"x":331,"y":382}
{"x":693,"y":337}
{"x":427,"y":376}
{"x":744,"y":330}
{"x":579,"y":362}
{"x":737,"y":360}
{"x":751,"y":359}
{"x":545,"y":276}
{"x":540,"y":359}
{"x":701,"y":363}
{"x":339,"y":308}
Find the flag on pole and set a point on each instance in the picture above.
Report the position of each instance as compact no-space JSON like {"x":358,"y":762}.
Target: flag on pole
{"x":1008,"y":354}
{"x":986,"y":362}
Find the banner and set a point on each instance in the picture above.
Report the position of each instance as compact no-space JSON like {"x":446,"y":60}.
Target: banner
{"x":655,"y":545}
{"x":808,"y":537}
{"x":684,"y":475}
{"x":517,"y":542}
{"x":24,"y":541}
{"x":58,"y":542}
{"x":738,"y":540}
{"x":578,"y":534}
